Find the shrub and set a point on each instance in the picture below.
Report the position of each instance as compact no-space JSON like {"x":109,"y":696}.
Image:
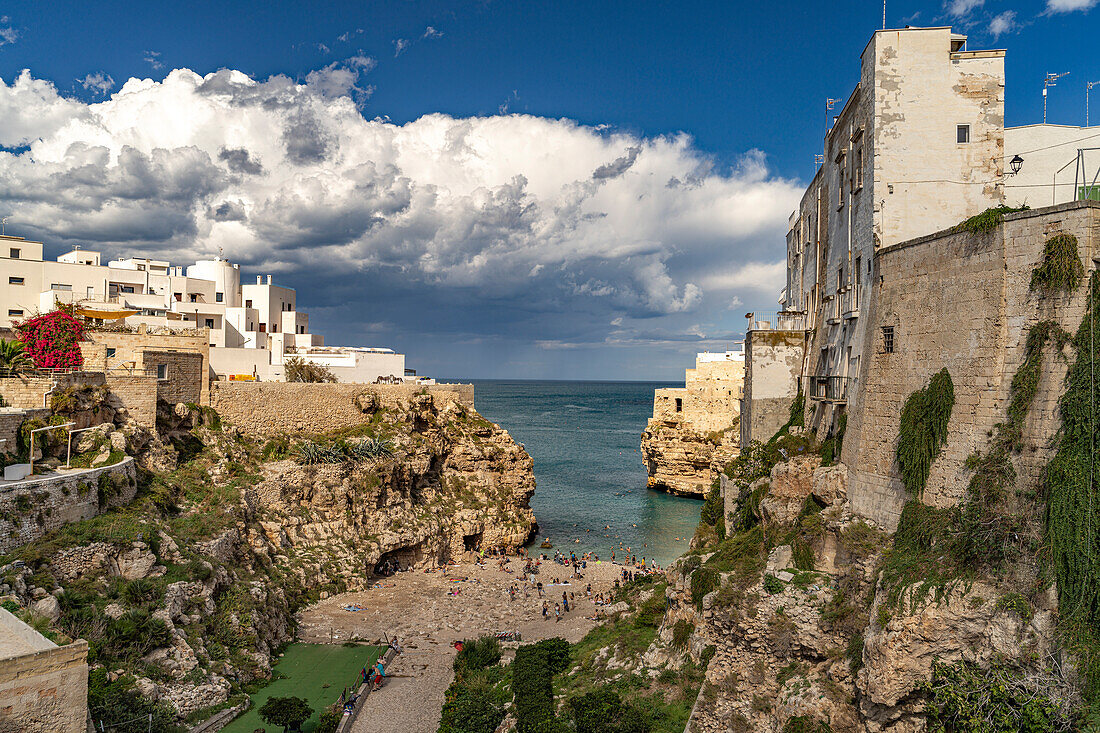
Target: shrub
{"x":773,"y":584}
{"x":806,"y":724}
{"x":296,"y":369}
{"x":289,"y":712}
{"x":477,"y":654}
{"x":962,"y":697}
{"x":703,"y":581}
{"x":1060,"y":268}
{"x":681,"y":632}
{"x":988,"y":220}
{"x":532,"y":686}
{"x":52,"y":340}
{"x":603,"y":711}
{"x":923,"y":430}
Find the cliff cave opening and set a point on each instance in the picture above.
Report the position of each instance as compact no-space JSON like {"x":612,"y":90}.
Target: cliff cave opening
{"x":472,"y":542}
{"x":399,"y":560}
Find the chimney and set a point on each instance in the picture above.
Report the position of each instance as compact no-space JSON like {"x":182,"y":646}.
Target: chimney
{"x":259,"y":279}
{"x":269,"y":279}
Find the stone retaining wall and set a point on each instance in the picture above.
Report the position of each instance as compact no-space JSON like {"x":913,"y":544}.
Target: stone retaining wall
{"x":274,"y":408}
{"x":29,"y":509}
{"x":45,"y":688}
{"x":27,"y":391}
{"x":961,"y":301}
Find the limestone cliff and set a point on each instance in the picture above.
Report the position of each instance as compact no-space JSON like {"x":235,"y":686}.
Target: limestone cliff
{"x":682,"y":460}
{"x":193,"y":586}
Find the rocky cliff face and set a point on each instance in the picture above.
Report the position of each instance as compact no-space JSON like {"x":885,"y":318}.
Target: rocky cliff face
{"x":193,"y":586}
{"x":681,"y":460}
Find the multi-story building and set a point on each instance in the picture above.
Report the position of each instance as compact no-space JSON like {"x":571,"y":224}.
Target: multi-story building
{"x":919,"y":146}
{"x":251,"y":328}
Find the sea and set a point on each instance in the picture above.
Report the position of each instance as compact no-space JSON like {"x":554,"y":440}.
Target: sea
{"x":591,"y":493}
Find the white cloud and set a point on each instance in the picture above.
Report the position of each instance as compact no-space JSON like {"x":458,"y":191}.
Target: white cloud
{"x":153,"y":59}
{"x":290,"y":177}
{"x":962,"y":8}
{"x":431,"y":32}
{"x":97,"y":82}
{"x":1003,"y":23}
{"x":399,"y":46}
{"x":1069,"y":6}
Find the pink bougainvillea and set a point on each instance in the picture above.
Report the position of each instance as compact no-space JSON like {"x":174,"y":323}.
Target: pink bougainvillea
{"x":52,"y":340}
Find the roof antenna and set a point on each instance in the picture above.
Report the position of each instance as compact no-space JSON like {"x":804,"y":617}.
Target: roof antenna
{"x":4,"y":225}
{"x":883,"y":14}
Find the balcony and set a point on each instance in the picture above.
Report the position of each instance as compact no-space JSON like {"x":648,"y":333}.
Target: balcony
{"x":830,"y":388}
{"x":781,"y":321}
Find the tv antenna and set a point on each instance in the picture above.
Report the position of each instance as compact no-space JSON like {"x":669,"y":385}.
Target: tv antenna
{"x":4,"y":221}
{"x":1051,"y":80}
{"x":1088,"y":88}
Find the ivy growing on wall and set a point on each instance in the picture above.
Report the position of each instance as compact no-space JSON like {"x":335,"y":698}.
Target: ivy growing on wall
{"x":923,"y":430}
{"x":1060,"y":269}
{"x":1073,"y":501}
{"x":988,"y":220}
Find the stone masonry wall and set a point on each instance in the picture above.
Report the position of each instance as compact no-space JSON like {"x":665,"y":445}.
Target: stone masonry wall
{"x":185,"y":376}
{"x":272,"y":408}
{"x":27,"y":392}
{"x":29,"y":509}
{"x":138,"y":395}
{"x":960,"y":301}
{"x":45,"y":691}
{"x":130,"y":349}
{"x":773,"y":366}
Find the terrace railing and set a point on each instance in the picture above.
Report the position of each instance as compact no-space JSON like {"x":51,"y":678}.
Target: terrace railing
{"x":830,"y":388}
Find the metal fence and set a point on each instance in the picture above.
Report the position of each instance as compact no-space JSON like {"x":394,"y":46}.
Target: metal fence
{"x":832,"y":388}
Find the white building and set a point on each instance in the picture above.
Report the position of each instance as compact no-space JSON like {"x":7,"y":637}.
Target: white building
{"x":252,"y":328}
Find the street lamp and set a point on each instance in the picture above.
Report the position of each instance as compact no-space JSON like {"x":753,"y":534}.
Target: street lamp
{"x":1015,"y":164}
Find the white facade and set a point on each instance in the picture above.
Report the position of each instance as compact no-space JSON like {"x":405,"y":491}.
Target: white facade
{"x":1050,"y":173}
{"x":252,"y":328}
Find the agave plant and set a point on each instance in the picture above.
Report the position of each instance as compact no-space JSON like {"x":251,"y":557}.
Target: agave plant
{"x":12,"y":358}
{"x":308,"y":453}
{"x":370,"y":449}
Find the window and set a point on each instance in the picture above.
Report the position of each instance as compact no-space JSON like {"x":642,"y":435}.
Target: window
{"x":178,"y":297}
{"x":15,"y":281}
{"x":162,"y":371}
{"x":263,"y":328}
{"x":13,"y":253}
{"x":888,"y":339}
{"x":962,"y":133}
{"x":679,"y":405}
{"x":127,"y":289}
{"x":61,"y":286}
{"x":219,"y":297}
{"x":15,"y":312}
{"x":248,"y":304}
{"x":859,"y":169}
{"x":110,"y":353}
{"x":194,"y":297}
{"x":91,"y":292}
{"x":209,"y":322}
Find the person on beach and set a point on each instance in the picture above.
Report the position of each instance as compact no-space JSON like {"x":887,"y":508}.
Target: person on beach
{"x":557,"y":613}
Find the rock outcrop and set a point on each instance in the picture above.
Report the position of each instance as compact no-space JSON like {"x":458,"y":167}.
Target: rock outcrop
{"x":681,"y":460}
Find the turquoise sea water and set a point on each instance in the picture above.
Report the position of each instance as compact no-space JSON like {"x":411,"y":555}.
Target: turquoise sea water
{"x":584,"y":438}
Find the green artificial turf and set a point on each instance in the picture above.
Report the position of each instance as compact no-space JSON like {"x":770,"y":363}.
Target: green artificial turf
{"x":307,"y":668}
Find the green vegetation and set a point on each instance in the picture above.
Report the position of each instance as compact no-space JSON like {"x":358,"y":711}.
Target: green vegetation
{"x":297,"y":369}
{"x":532,"y":682}
{"x":806,"y":724}
{"x":12,"y":358}
{"x":966,"y":699}
{"x":1072,"y":520}
{"x":988,"y":220}
{"x":310,"y":452}
{"x":289,"y":712}
{"x":477,"y":699}
{"x":923,"y":430}
{"x":1060,"y":269}
{"x":120,"y":701}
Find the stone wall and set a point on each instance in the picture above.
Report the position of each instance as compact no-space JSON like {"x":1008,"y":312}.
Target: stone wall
{"x":273,"y":408}
{"x":43,"y":687}
{"x":28,"y":391}
{"x":129,"y":350}
{"x":773,"y":366}
{"x":138,"y":394}
{"x":961,"y":301}
{"x":184,"y":381}
{"x":29,"y":509}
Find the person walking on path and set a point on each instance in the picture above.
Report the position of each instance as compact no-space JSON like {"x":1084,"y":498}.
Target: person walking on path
{"x":557,"y":613}
{"x":545,"y":610}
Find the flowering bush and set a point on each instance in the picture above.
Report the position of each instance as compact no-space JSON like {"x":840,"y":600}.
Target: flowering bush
{"x":52,"y":340}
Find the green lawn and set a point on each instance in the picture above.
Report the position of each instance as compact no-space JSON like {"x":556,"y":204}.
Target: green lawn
{"x":308,"y":668}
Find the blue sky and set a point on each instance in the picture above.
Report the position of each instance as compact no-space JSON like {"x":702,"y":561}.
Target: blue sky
{"x":532,"y":247}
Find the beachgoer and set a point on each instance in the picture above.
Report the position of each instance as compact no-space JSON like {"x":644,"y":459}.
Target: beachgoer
{"x":545,"y":610}
{"x":557,"y":613}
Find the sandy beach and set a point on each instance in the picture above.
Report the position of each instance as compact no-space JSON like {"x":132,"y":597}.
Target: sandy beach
{"x":429,"y":611}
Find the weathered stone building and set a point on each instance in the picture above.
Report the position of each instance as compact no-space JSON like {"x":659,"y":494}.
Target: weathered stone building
{"x":43,"y":687}
{"x":693,"y":431}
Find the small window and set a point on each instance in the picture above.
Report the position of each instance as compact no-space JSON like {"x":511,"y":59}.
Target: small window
{"x":110,"y":353}
{"x":209,"y":322}
{"x":962,"y":133}
{"x":15,"y":312}
{"x":859,"y":169}
{"x":248,"y":304}
{"x":162,"y":371}
{"x":194,"y":297}
{"x":178,"y":297}
{"x":127,"y":289}
{"x":91,"y":292}
{"x":61,"y":286}
{"x":888,"y":339}
{"x":13,"y":253}
{"x":219,"y":297}
{"x":679,"y":405}
{"x":15,"y":281}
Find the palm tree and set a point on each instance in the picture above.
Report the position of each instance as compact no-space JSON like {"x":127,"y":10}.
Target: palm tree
{"x":12,"y":358}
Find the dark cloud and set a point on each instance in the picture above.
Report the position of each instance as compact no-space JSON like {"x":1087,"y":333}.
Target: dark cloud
{"x":618,"y":166}
{"x":240,"y":161}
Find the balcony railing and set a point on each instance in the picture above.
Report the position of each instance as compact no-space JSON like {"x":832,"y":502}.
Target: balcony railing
{"x":830,"y":388}
{"x":781,"y":321}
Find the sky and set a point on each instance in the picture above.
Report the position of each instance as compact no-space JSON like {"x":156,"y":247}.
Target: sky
{"x":544,"y":190}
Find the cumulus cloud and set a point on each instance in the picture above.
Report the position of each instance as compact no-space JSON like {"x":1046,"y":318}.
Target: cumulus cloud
{"x":97,"y":83}
{"x":1003,"y":23}
{"x":8,"y":33}
{"x":1069,"y":6}
{"x":562,"y":226}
